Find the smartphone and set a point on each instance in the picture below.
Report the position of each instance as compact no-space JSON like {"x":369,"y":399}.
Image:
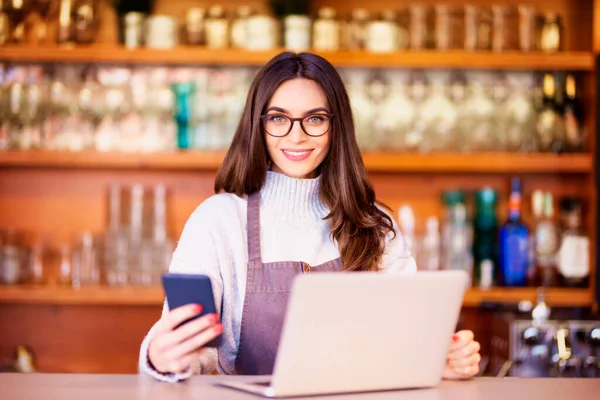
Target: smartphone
{"x":182,"y":289}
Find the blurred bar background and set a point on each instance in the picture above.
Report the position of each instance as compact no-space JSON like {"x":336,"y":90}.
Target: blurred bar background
{"x":477,"y":123}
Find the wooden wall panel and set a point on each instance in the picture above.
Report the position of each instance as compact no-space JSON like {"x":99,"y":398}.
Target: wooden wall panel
{"x":98,"y":339}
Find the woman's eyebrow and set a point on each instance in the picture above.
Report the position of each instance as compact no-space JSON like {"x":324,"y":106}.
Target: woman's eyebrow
{"x":283,"y":110}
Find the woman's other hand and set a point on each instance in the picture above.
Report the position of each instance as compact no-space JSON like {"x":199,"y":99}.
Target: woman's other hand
{"x":463,"y":357}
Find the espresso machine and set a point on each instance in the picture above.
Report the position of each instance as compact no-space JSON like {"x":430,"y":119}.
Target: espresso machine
{"x":544,"y":347}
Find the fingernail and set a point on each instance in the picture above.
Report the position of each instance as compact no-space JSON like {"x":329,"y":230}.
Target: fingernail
{"x":455,"y":338}
{"x":219,"y":328}
{"x":215,"y":318}
{"x":198,"y":308}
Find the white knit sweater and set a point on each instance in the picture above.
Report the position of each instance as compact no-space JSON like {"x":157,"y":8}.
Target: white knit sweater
{"x":213,"y":242}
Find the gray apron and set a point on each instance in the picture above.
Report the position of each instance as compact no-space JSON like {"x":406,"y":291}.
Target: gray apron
{"x":268,"y":288}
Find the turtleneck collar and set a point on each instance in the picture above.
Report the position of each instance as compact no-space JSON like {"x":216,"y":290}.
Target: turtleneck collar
{"x":292,"y":198}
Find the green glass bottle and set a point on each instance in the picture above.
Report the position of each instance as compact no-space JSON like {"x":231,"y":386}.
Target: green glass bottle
{"x":485,"y":229}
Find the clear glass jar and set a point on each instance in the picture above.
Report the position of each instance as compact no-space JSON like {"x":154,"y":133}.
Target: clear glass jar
{"x":194,"y":26}
{"x":326,"y":31}
{"x":418,"y":89}
{"x":518,"y":113}
{"x":217,"y":28}
{"x":355,"y":36}
{"x":297,"y":32}
{"x":263,"y":32}
{"x":133,"y":29}
{"x":449,"y":31}
{"x":505,"y":28}
{"x":479,"y":123}
{"x":377,"y":89}
{"x":399,"y":113}
{"x":162,"y":32}
{"x":239,"y":27}
{"x":382,"y":34}
{"x":440,"y":116}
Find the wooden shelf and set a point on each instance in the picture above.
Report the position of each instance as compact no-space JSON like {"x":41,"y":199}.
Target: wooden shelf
{"x":99,"y":295}
{"x":188,"y":55}
{"x":564,"y":297}
{"x":382,"y":162}
{"x":480,"y":162}
{"x":153,"y":296}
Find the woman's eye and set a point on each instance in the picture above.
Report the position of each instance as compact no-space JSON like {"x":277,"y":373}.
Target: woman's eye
{"x":277,"y":118}
{"x":316,"y":119}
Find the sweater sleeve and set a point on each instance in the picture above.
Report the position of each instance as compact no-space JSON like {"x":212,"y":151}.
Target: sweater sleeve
{"x":397,"y":257}
{"x":195,"y":253}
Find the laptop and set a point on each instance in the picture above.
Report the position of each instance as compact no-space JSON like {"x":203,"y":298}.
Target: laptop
{"x":361,"y":332}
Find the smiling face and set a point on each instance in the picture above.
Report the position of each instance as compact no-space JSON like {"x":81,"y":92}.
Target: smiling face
{"x":297,"y":154}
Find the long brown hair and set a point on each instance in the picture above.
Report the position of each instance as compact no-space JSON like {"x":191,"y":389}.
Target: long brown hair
{"x":357,"y":224}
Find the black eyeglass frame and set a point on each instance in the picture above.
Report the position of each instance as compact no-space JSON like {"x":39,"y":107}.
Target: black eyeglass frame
{"x":292,"y":120}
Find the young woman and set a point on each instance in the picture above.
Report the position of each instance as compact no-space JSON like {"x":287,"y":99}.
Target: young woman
{"x":292,"y":196}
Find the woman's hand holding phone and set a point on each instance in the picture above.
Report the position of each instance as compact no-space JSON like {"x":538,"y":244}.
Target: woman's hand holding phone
{"x":176,"y":344}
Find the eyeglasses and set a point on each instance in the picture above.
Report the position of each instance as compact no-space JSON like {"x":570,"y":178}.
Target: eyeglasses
{"x":279,"y":125}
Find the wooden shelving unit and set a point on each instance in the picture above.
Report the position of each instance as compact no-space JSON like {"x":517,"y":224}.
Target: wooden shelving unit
{"x":382,"y":162}
{"x":153,"y":296}
{"x":188,"y":55}
{"x":63,"y":193}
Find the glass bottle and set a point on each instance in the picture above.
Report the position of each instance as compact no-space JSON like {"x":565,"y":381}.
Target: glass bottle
{"x":574,"y":251}
{"x":573,"y":117}
{"x":514,"y":242}
{"x":440,"y":116}
{"x":430,"y":247}
{"x":326,"y":31}
{"x":546,"y":239}
{"x":485,"y":233}
{"x":457,"y":237}
{"x":551,"y":33}
{"x":549,"y":125}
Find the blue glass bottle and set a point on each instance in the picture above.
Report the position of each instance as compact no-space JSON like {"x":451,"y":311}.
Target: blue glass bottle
{"x":514,"y":242}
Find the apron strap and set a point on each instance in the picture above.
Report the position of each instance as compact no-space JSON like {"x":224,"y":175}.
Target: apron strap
{"x":253,"y":227}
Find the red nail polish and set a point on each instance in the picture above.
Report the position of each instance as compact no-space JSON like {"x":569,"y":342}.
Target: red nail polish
{"x":198,"y":308}
{"x":215,"y":318}
{"x":455,"y":338}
